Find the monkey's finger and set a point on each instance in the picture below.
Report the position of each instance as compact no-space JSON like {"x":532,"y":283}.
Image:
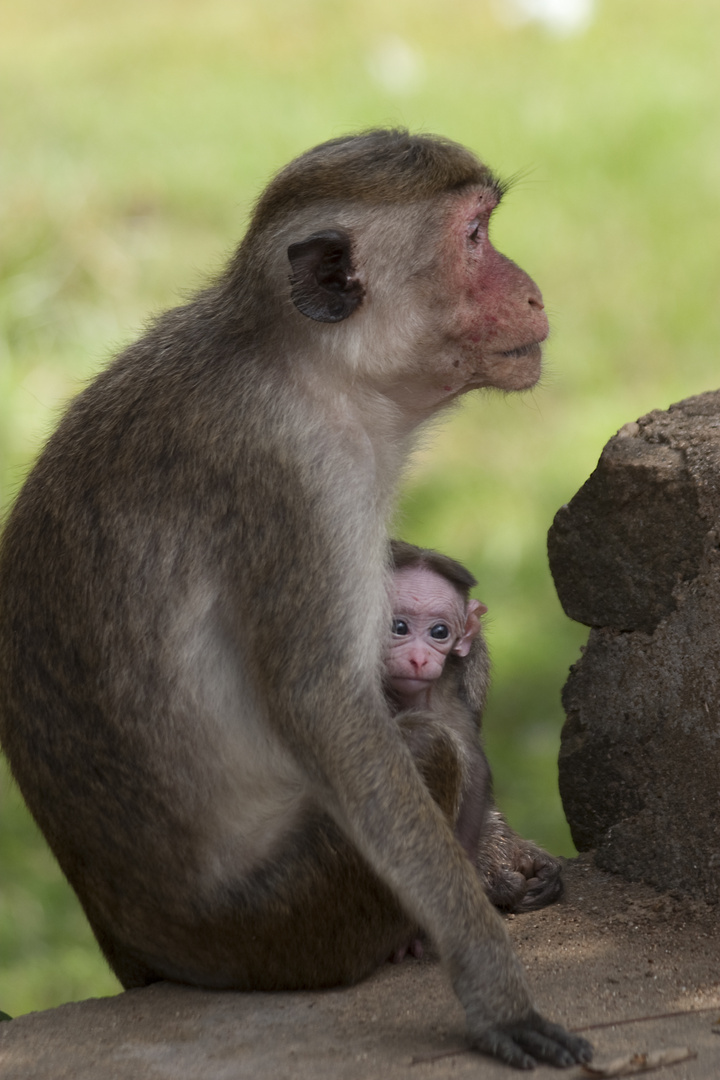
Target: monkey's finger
{"x":527,"y":866}
{"x":535,"y":1040}
{"x":544,"y":1049}
{"x":550,"y":1042}
{"x":507,"y":890}
{"x":542,"y":890}
{"x":496,"y":1043}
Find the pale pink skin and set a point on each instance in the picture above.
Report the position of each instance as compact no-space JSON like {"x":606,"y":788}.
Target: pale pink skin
{"x":430,"y":621}
{"x":425,"y":608}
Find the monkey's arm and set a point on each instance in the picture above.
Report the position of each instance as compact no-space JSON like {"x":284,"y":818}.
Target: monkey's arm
{"x":316,"y":649}
{"x":382,"y":803}
{"x":518,"y":875}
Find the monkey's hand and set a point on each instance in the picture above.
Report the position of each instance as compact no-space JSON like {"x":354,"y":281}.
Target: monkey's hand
{"x":502,"y":1022}
{"x":533,"y":1040}
{"x":518,"y":875}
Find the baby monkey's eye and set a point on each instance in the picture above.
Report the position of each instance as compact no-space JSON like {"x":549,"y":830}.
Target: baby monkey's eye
{"x":400,"y":628}
{"x":440,"y":632}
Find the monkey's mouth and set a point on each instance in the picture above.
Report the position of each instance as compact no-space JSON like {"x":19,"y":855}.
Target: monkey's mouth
{"x":410,"y":684}
{"x":532,"y":349}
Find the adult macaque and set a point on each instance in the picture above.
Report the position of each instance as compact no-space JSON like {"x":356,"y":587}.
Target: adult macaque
{"x":437,"y":666}
{"x":193,"y":593}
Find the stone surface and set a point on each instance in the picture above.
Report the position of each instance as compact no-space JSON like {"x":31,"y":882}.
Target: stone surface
{"x":629,"y":536}
{"x":634,"y":970}
{"x":636,"y":555}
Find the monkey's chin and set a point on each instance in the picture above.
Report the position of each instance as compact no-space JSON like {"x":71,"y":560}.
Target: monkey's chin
{"x":411,"y":693}
{"x":518,"y":369}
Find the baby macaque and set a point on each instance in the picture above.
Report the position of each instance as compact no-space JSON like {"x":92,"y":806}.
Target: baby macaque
{"x":437,"y":668}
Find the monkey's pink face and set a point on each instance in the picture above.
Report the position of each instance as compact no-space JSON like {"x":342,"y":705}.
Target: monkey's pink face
{"x":430,"y":620}
{"x":498,"y":320}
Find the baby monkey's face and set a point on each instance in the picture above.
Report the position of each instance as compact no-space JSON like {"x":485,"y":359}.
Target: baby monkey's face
{"x":430,"y":620}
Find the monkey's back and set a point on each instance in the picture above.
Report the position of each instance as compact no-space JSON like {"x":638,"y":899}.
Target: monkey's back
{"x":118,"y":647}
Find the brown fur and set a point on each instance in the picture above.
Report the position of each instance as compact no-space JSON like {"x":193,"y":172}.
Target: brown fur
{"x":405,"y":168}
{"x":193,"y":592}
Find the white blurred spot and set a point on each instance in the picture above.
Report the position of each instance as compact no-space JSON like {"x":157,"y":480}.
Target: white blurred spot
{"x":396,"y":65}
{"x":562,"y":17}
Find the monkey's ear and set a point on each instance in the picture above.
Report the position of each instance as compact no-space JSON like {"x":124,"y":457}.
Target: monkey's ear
{"x":475,"y":609}
{"x":324,"y":284}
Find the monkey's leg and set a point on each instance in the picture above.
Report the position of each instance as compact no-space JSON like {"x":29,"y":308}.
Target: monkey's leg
{"x":350,"y":922}
{"x":315,"y":915}
{"x":518,"y":875}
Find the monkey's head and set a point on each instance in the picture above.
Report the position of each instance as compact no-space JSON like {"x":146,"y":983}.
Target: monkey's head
{"x":379,"y":248}
{"x":433,"y":617}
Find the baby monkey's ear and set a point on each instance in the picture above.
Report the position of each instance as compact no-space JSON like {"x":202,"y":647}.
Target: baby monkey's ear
{"x":475,"y":608}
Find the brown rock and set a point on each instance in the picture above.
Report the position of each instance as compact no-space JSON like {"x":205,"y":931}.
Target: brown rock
{"x":636,"y":555}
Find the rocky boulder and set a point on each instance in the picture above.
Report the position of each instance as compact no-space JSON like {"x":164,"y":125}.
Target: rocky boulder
{"x":636,"y":556}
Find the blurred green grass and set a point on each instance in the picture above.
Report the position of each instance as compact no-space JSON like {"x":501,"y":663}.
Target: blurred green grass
{"x":133,"y":139}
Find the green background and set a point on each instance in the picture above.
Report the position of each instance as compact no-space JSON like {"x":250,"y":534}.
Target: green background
{"x":133,"y":140}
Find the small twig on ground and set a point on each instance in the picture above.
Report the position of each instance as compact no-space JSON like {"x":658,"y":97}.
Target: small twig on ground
{"x":640,"y":1063}
{"x":641,"y":1019}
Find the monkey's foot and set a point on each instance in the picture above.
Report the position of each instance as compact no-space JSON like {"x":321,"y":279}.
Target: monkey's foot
{"x":517,"y":891}
{"x":545,"y":887}
{"x":532,"y":1041}
{"x":517,"y":875}
{"x":414,"y":948}
{"x":521,"y":878}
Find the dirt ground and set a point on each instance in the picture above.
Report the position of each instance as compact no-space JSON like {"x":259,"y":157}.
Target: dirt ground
{"x":648,"y":951}
{"x":633,"y":969}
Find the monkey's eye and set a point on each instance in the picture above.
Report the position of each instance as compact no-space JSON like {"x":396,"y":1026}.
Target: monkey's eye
{"x":439,"y":632}
{"x":400,"y":628}
{"x":474,"y":235}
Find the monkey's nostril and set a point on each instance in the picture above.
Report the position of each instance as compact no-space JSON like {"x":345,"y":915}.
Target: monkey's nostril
{"x":536,"y":302}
